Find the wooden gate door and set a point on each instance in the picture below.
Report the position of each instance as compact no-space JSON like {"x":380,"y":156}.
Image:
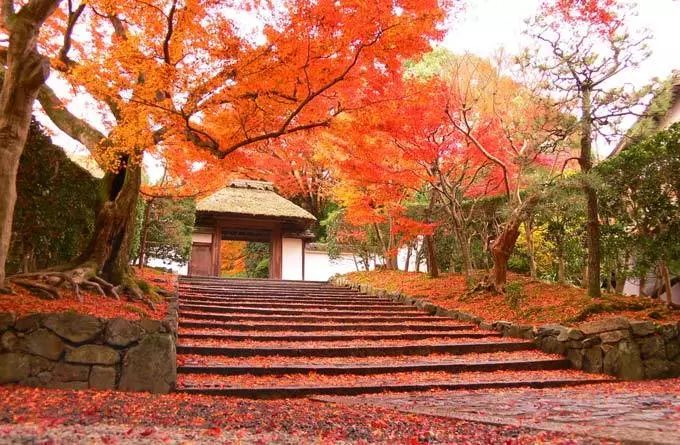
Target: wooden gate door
{"x":201,"y":259}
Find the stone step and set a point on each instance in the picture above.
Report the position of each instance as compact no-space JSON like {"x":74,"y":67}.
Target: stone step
{"x":255,"y":288}
{"x":358,"y":310}
{"x":388,"y":360}
{"x":301,"y":312}
{"x":312,"y":295}
{"x":339,"y":337}
{"x":333,"y":306}
{"x":268,"y":300}
{"x":391,"y":318}
{"x":451,"y":367}
{"x":359,"y":351}
{"x":323,"y":327}
{"x":251,"y":281}
{"x":296,"y":386}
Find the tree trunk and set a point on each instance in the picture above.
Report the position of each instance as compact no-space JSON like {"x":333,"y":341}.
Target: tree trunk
{"x":561,"y":275}
{"x":665,"y":277}
{"x":408,"y":257}
{"x":25,"y":71}
{"x":643,"y":283}
{"x":504,"y":244}
{"x":432,"y":267}
{"x":109,"y":247}
{"x":593,"y":224}
{"x":529,"y":236}
{"x":464,"y":245}
{"x":144,"y":232}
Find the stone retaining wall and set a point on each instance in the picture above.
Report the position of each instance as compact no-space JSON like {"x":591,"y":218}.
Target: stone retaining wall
{"x":75,"y":351}
{"x":631,"y":350}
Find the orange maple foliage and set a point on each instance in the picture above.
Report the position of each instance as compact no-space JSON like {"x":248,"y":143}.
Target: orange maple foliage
{"x":540,"y":302}
{"x":232,"y":257}
{"x":190,"y":83}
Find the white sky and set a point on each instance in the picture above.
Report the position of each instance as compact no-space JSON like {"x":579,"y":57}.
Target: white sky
{"x":487,"y":25}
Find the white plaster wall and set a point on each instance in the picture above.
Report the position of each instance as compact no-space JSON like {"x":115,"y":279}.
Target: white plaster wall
{"x":318,"y":267}
{"x":201,"y":237}
{"x":632,"y":287}
{"x":291,"y":259}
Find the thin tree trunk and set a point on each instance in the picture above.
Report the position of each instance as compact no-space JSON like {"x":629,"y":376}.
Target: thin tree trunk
{"x":356,"y":264}
{"x":408,"y":257}
{"x":144,"y":232}
{"x":25,"y":71}
{"x":432,"y":267}
{"x":593,"y":222}
{"x":464,"y":245}
{"x":665,"y":276}
{"x":561,"y":275}
{"x":529,"y":236}
{"x":642,"y":284}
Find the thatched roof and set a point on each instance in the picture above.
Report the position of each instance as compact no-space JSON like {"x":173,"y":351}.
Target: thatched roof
{"x":662,"y":112}
{"x":252,"y":198}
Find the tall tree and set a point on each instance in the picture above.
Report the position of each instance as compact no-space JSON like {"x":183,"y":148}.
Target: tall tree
{"x":24,"y":71}
{"x":179,"y":80}
{"x":516,"y":129}
{"x":583,"y":45}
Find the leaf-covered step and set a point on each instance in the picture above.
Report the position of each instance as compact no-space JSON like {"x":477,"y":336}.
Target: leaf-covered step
{"x":357,"y":369}
{"x":392,"y":318}
{"x":295,"y":385}
{"x":227,"y":335}
{"x":323,"y":327}
{"x":458,"y":347}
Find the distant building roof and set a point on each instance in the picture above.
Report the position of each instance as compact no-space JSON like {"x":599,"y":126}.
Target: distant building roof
{"x":662,"y":112}
{"x":252,"y":198}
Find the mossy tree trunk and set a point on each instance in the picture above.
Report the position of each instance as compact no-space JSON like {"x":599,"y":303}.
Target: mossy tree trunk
{"x":109,"y":249}
{"x":24,"y":70}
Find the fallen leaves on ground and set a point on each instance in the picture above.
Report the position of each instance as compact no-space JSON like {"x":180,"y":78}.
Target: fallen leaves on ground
{"x":111,"y":417}
{"x":540,"y":302}
{"x":24,"y":303}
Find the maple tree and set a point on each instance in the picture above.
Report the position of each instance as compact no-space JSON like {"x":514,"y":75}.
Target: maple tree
{"x":167,"y":86}
{"x":465,"y":132}
{"x":374,"y":184}
{"x":517,"y":130}
{"x":585,"y":44}
{"x":24,"y":71}
{"x":296,"y":167}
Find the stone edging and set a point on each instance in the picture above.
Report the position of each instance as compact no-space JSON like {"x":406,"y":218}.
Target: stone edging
{"x":75,"y":351}
{"x":631,"y":350}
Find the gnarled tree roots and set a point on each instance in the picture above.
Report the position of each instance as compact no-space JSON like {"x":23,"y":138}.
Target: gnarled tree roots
{"x":48,"y":284}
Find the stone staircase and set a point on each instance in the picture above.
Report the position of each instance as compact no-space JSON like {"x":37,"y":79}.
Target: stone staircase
{"x":268,"y":339}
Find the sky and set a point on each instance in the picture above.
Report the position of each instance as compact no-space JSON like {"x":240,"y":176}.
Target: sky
{"x":488,"y":25}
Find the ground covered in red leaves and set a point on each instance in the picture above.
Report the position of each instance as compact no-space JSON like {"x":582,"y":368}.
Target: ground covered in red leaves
{"x":58,"y":416}
{"x":24,"y":302}
{"x":537,"y":302}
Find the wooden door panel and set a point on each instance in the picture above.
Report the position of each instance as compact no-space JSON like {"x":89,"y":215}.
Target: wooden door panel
{"x":201,"y":260}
